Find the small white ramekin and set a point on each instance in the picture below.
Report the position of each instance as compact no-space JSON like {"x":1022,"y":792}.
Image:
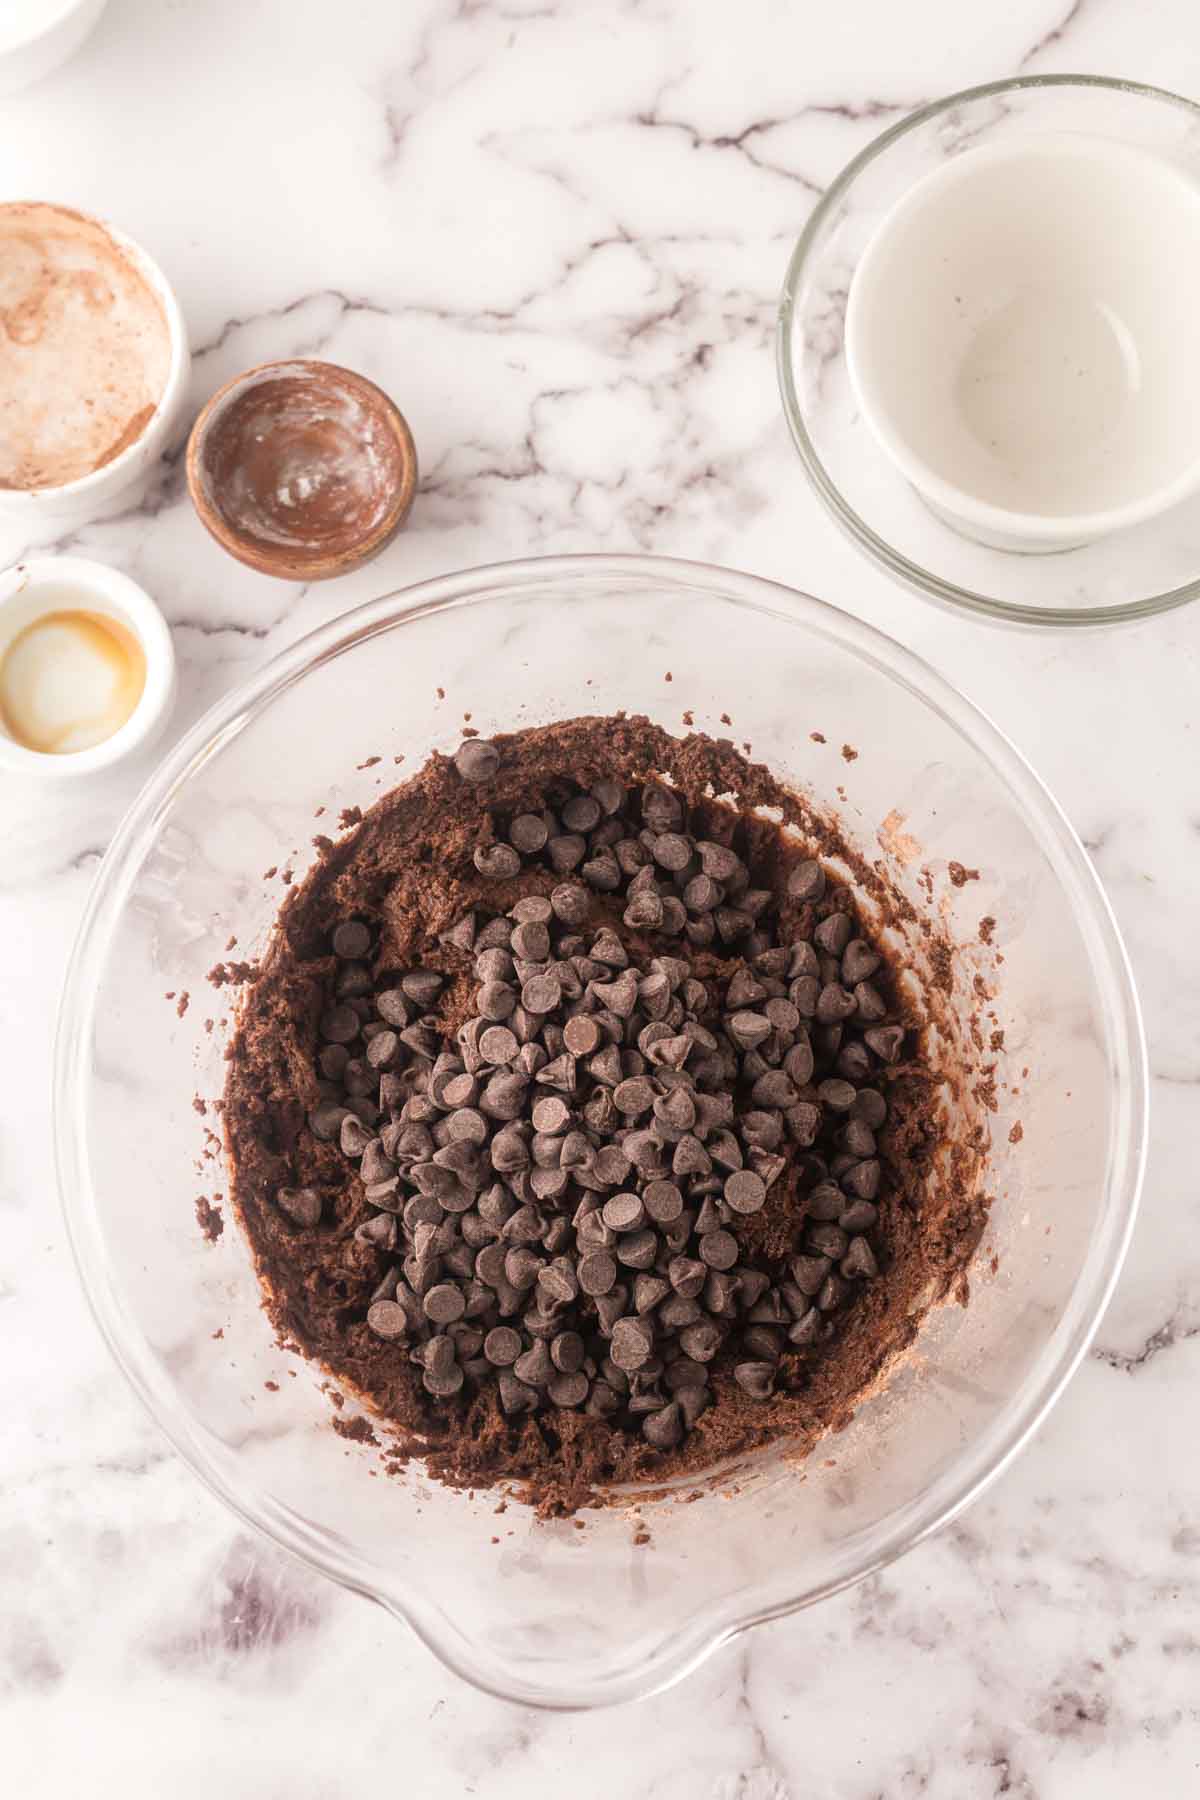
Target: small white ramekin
{"x":29,"y":51}
{"x":55,"y":511}
{"x":1105,"y":229}
{"x":45,"y":584}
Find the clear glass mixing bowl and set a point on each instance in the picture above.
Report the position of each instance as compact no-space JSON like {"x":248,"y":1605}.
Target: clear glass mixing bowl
{"x":552,"y":1615}
{"x":1132,"y":574}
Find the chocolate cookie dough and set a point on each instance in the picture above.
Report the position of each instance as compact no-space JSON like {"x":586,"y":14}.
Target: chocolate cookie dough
{"x":577,"y":1122}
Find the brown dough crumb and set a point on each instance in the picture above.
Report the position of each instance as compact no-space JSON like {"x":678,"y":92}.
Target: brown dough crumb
{"x":849,"y":753}
{"x":668,"y":676}
{"x":357,"y":1429}
{"x":210,"y":1218}
{"x":272,"y":1387}
{"x":369,"y":763}
{"x":349,"y":815}
{"x":1017,"y":1133}
{"x":960,"y":876}
{"x":233,"y":974}
{"x":182,"y":1004}
{"x":199,"y":1104}
{"x":270,"y":874}
{"x":987,"y":927}
{"x":818,"y":737}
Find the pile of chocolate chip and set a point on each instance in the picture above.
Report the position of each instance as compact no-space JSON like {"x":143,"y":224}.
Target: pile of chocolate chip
{"x":558,"y":1196}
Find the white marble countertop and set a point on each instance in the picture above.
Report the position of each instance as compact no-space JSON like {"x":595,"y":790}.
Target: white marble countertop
{"x":555,"y":230}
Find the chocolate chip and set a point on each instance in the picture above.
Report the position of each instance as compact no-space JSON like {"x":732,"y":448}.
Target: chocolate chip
{"x":383,"y":1049}
{"x":719,"y":1250}
{"x":834,"y":1004}
{"x":871,"y":1107}
{"x":757,"y":1379}
{"x":663,"y":1201}
{"x":833,"y":1292}
{"x":502,"y":1346}
{"x":671,"y":851}
{"x":624,"y":1212}
{"x":748,"y":1029}
{"x":569,"y":1389}
{"x":566,"y":851}
{"x":387,"y":1319}
{"x":580,"y":1035}
{"x":745,"y":1191}
{"x":637,"y":1249}
{"x":534,"y":1366}
{"x":632,"y":1343}
{"x":701,"y":1342}
{"x":702,"y":893}
{"x":863,"y":1179}
{"x":341,"y":1024}
{"x":498,"y":1044}
{"x":859,"y":961}
{"x":809,"y":1272}
{"x":541,"y":994}
{"x":634,"y":1097}
{"x":558,"y":1282}
{"x":515,"y":1397}
{"x":806,"y":881}
{"x":663,"y":1428}
{"x":477,"y":759}
{"x":859,"y":1261}
{"x":827,"y":1240}
{"x":886,"y":1041}
{"x":498,"y":862}
{"x":597,"y":1272}
{"x":351,"y":939}
{"x":528,"y":833}
{"x":532,"y":909}
{"x":353,"y":1136}
{"x":806,"y":1329}
{"x":834,"y":933}
{"x":444,"y":1303}
{"x":838,"y":1096}
{"x":301,"y":1204}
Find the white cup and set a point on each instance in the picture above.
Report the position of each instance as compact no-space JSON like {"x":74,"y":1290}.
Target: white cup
{"x":38,"y":36}
{"x":48,"y":512}
{"x":59,"y":583}
{"x":1021,"y":339}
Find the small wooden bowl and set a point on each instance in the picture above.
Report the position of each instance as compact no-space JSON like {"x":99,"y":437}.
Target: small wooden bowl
{"x":301,"y":469}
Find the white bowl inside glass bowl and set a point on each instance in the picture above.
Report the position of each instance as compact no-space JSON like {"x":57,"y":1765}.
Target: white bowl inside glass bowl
{"x":552,"y":1615}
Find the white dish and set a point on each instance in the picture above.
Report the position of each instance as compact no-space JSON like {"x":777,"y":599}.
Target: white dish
{"x":38,"y":36}
{"x":53,"y":511}
{"x":1020,"y":340}
{"x":55,"y":583}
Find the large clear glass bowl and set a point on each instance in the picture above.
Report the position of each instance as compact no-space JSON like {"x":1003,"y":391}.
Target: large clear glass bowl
{"x":553,"y":1615}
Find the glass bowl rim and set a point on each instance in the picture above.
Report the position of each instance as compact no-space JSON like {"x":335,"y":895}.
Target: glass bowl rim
{"x":980,"y":1462}
{"x":913,"y":574}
